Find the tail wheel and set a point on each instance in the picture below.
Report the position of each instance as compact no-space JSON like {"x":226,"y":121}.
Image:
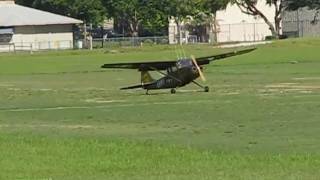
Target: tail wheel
{"x":206,"y":89}
{"x":173,"y":91}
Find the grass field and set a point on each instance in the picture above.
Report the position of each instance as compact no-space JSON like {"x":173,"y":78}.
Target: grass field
{"x":62,"y":117}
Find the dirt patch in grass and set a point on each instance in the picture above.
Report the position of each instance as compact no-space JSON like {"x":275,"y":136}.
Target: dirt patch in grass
{"x":281,"y":88}
{"x":306,"y":78}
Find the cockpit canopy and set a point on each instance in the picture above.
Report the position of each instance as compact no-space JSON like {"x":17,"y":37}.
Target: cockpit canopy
{"x":184,"y":63}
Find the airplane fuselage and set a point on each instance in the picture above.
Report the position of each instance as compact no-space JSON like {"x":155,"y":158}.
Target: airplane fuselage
{"x":180,"y":75}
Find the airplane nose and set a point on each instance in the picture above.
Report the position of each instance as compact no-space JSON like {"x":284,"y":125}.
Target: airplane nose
{"x":194,"y":69}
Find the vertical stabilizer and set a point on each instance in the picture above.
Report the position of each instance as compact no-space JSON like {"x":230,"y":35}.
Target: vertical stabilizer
{"x":146,"y":77}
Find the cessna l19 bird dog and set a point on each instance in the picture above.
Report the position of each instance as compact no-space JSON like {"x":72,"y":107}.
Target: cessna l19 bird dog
{"x":177,"y":73}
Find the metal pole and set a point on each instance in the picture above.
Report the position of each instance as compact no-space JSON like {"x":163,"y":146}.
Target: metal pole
{"x":85,"y":35}
{"x":229,"y":32}
{"x":298,"y":23}
{"x":91,"y":38}
{"x":254,"y":32}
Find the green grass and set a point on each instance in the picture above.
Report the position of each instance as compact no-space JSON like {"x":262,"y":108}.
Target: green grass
{"x":87,"y":158}
{"x":62,"y":117}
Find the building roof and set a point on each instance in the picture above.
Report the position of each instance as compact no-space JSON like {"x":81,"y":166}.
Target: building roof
{"x":15,"y":15}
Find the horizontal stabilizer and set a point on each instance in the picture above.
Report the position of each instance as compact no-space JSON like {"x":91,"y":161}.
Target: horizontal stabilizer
{"x":132,"y":87}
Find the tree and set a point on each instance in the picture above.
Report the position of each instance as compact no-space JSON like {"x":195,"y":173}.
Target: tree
{"x":180,"y":10}
{"x":296,"y":4}
{"x":126,"y":11}
{"x":250,"y":7}
{"x":155,"y":20}
{"x":311,"y":4}
{"x":206,"y":18}
{"x":90,"y":11}
{"x":210,"y":8}
{"x":132,"y":14}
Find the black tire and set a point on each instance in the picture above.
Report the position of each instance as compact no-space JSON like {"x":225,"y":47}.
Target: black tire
{"x":173,"y":91}
{"x":206,"y":89}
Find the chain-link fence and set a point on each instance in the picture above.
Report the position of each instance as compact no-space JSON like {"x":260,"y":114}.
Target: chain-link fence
{"x":129,"y":41}
{"x":301,"y":28}
{"x":242,"y":32}
{"x":36,"y":46}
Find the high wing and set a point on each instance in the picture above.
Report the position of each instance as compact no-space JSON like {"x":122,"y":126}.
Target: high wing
{"x":142,"y":66}
{"x":164,"y":65}
{"x":208,"y":59}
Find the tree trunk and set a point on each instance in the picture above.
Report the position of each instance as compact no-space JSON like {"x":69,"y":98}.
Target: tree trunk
{"x":250,"y":9}
{"x":278,"y":27}
{"x":178,"y":22}
{"x":273,"y":29}
{"x":134,"y":26}
{"x":214,"y":28}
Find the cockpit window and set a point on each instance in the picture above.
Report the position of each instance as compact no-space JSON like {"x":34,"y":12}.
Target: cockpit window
{"x":184,"y":63}
{"x":173,"y":68}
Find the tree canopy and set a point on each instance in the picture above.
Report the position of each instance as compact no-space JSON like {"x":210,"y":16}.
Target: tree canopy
{"x":153,"y":15}
{"x":296,"y":4}
{"x":90,"y":11}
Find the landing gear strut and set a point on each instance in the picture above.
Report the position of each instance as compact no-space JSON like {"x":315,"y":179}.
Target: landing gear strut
{"x":205,"y":88}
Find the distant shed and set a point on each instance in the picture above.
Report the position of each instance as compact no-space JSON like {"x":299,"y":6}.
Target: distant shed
{"x":24,"y":28}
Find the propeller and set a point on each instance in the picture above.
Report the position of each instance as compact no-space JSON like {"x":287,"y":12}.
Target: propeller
{"x":198,"y":68}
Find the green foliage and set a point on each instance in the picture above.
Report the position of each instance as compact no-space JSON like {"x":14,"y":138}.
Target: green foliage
{"x":296,"y":4}
{"x":136,"y":13}
{"x":212,"y":6}
{"x":152,"y":15}
{"x":90,"y":11}
{"x":30,"y":156}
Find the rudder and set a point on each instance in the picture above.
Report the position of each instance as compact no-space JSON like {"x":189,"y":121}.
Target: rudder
{"x":146,"y":77}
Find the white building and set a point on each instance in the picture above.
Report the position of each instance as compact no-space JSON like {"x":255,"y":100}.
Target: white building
{"x":236,"y":26}
{"x":26,"y":28}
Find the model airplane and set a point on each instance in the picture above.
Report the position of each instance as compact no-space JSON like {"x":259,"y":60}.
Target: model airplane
{"x":175,"y":73}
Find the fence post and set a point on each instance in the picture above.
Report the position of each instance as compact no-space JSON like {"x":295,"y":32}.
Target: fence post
{"x":254,"y":32}
{"x":31,"y":51}
{"x":302,"y":28}
{"x":229,"y":38}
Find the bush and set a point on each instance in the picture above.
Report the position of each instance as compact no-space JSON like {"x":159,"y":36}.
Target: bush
{"x":269,"y":38}
{"x":148,"y":41}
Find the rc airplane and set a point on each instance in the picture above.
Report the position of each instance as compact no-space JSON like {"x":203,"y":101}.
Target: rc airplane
{"x":175,"y":73}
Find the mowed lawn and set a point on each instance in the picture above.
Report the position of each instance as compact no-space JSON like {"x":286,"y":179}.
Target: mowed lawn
{"x":62,"y":117}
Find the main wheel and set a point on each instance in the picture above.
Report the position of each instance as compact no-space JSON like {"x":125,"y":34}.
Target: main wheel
{"x":173,"y":91}
{"x":206,"y":89}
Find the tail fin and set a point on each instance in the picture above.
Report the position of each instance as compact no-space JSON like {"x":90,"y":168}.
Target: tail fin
{"x":146,"y":77}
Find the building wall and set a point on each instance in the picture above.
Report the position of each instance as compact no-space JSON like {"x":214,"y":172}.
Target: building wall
{"x":243,"y":32}
{"x":43,"y":37}
{"x":234,"y":25}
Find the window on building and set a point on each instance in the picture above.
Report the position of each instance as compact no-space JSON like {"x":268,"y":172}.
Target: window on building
{"x":6,"y":35}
